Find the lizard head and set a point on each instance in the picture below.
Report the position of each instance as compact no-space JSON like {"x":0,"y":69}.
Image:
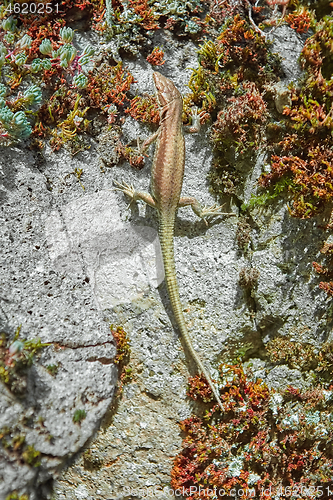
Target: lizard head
{"x":165,"y":90}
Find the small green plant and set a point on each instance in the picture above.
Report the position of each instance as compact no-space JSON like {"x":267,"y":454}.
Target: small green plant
{"x":78,"y":416}
{"x":123,"y":357}
{"x":304,"y":357}
{"x":52,"y":369}
{"x":17,"y":63}
{"x":122,"y":341}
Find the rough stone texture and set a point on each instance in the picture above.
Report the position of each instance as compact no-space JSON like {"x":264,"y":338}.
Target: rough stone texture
{"x":88,"y":235}
{"x":288,"y":44}
{"x":58,"y":306}
{"x":66,"y":253}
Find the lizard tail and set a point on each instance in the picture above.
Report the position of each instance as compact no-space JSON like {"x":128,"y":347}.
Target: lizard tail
{"x":166,"y":230}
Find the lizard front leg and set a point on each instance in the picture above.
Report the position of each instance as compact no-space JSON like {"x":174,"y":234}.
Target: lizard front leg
{"x":135,"y":195}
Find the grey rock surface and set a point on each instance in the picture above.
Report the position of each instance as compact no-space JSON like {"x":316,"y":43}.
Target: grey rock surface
{"x":134,"y":449}
{"x":58,"y":306}
{"x":288,"y":44}
{"x":74,"y":261}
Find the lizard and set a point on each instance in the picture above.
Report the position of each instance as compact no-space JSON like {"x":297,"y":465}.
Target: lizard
{"x":166,"y":185}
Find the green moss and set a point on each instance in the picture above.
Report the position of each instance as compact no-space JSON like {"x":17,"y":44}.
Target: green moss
{"x":123,"y":344}
{"x":285,"y":184}
{"x":263,"y":441}
{"x":314,"y":361}
{"x":32,"y":347}
{"x":91,"y":461}
{"x":78,"y":416}
{"x":31,"y":456}
{"x":123,"y":357}
{"x":127,"y":375}
{"x":320,"y":7}
{"x":16,"y":357}
{"x":52,"y":369}
{"x":15,"y":496}
{"x":13,"y":440}
{"x":230,"y":84}
{"x":18,"y":441}
{"x":304,"y":154}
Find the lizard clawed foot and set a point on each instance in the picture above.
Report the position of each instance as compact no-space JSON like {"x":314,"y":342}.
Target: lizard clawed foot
{"x":213,"y":211}
{"x":127,"y":189}
{"x":196,"y":119}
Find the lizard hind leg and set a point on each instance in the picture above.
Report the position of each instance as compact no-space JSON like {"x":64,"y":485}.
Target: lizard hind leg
{"x":202,"y":211}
